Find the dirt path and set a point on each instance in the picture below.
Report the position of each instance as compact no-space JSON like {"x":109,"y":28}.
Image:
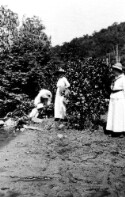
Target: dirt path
{"x":83,"y":164}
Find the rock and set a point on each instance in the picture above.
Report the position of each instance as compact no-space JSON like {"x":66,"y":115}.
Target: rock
{"x":61,"y":126}
{"x":22,"y":129}
{"x":10,"y":123}
{"x":60,"y":136}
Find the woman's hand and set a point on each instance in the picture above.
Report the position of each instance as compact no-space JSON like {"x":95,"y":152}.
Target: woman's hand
{"x":62,"y":91}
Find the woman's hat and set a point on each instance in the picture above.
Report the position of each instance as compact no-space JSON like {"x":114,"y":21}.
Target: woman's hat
{"x":118,"y":66}
{"x":60,"y":71}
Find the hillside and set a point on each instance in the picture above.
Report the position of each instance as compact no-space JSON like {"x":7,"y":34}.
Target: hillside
{"x":99,"y":44}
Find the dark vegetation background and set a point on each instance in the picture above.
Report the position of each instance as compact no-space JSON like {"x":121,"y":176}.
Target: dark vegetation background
{"x":28,"y":63}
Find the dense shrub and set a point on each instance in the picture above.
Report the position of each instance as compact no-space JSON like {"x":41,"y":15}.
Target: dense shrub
{"x":90,"y":86}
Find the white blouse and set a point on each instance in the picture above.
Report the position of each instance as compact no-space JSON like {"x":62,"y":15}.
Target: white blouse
{"x":63,"y":83}
{"x":119,"y":84}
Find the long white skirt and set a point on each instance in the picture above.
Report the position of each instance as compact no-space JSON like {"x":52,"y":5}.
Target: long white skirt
{"x":59,"y":109}
{"x":116,"y":115}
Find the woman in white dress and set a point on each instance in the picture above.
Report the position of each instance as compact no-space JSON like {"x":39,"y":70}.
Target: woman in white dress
{"x":62,"y":86}
{"x":116,"y":111}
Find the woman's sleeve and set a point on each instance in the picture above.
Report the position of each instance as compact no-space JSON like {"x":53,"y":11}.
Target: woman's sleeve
{"x":38,"y":97}
{"x":124,"y":84}
{"x":37,"y":100}
{"x":67,"y":84}
{"x":60,"y":83}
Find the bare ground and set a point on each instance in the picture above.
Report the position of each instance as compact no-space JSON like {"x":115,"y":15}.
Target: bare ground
{"x":36,"y":163}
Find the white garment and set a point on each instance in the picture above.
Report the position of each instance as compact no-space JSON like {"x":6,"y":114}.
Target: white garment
{"x":40,"y":105}
{"x":37,"y":102}
{"x":116,"y":111}
{"x":34,"y":113}
{"x":60,"y":108}
{"x":43,"y":94}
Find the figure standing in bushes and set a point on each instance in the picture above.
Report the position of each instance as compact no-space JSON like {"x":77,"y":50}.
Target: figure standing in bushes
{"x":43,"y":99}
{"x":60,"y":99}
{"x":116,"y":111}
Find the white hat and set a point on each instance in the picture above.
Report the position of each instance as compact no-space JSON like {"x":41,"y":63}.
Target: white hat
{"x":118,"y":66}
{"x":60,"y":71}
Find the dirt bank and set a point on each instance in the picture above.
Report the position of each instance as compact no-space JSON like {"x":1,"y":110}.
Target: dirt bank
{"x":83,"y":164}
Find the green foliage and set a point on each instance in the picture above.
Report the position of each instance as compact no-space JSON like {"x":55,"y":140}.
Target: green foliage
{"x":90,"y":81}
{"x":30,"y":53}
{"x":24,"y":57}
{"x":8,"y":28}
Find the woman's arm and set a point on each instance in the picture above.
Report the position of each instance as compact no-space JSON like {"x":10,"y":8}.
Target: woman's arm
{"x":123,"y":84}
{"x":67,"y":84}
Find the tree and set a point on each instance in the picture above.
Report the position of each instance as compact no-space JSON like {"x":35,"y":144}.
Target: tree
{"x":30,"y":52}
{"x":25,"y":52}
{"x":8,"y":27}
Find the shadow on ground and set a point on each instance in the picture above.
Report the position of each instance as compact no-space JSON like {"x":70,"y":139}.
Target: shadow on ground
{"x":7,"y":135}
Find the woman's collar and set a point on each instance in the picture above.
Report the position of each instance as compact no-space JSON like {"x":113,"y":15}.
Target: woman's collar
{"x":119,"y":76}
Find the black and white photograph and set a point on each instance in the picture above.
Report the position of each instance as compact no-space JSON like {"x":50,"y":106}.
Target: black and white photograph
{"x":62,"y":98}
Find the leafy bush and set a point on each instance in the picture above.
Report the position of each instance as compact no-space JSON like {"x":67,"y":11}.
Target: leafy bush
{"x":90,"y":81}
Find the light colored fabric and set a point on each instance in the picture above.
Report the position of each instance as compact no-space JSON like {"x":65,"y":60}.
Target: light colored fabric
{"x":60,"y":108}
{"x":34,"y":113}
{"x":40,"y":105}
{"x":116,"y":111}
{"x":43,"y":94}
